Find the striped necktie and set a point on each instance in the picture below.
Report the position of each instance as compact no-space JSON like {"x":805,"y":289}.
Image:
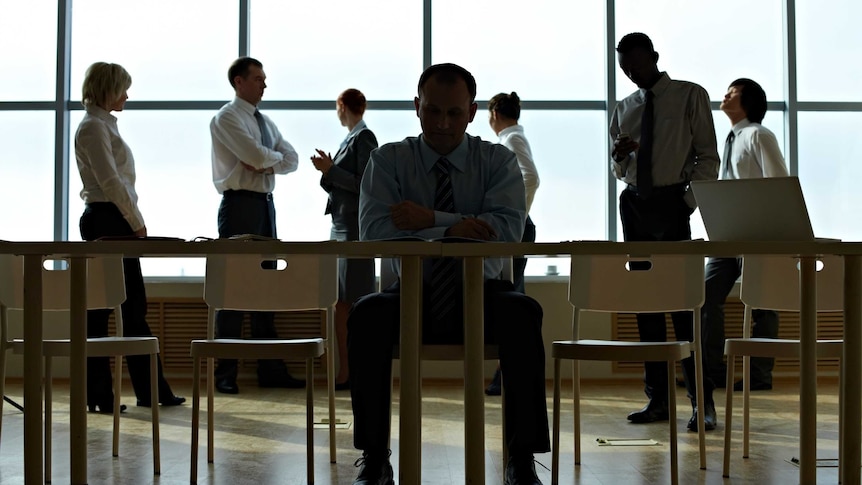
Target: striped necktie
{"x":265,"y":139}
{"x":444,"y":271}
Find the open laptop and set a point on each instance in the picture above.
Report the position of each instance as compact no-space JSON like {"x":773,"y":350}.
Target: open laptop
{"x":763,"y":209}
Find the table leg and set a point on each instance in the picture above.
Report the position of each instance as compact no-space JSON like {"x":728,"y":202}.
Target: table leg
{"x":474,"y":350}
{"x":33,"y":370}
{"x":410,"y":437}
{"x":851,"y":365}
{"x":808,"y":371}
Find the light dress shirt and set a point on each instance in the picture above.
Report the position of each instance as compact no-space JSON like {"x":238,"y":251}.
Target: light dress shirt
{"x":512,"y":137}
{"x":236,"y":138}
{"x":755,"y":153}
{"x":106,"y":165}
{"x":684,"y":146}
{"x":486,"y":183}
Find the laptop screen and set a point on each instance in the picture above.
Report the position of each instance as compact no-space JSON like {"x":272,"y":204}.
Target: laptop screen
{"x":764,"y":209}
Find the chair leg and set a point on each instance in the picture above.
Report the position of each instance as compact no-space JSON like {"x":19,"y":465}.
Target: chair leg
{"x":154,"y":407}
{"x":671,"y":405}
{"x":576,"y":392}
{"x":210,"y":410}
{"x":49,"y":398}
{"x":196,"y":407}
{"x":309,"y":419}
{"x":118,"y":394}
{"x":728,"y":414}
{"x":841,"y":410}
{"x":746,"y":402}
{"x":2,"y":382}
{"x":330,"y":382}
{"x":555,"y":445}
{"x":503,"y":421}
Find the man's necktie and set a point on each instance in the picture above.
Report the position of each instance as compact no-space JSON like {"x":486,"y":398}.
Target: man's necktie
{"x":644,"y":166}
{"x":444,"y":271}
{"x":265,"y":139}
{"x":728,"y":153}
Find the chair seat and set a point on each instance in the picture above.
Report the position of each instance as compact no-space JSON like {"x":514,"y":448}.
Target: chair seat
{"x":97,"y":347}
{"x":617,"y":350}
{"x":784,"y":348}
{"x":261,"y":349}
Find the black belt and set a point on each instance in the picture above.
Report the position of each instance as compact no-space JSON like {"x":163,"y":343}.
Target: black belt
{"x":665,"y":189}
{"x":248,"y":194}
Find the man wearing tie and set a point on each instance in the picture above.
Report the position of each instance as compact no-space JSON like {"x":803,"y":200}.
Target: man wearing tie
{"x":750,"y":151}
{"x":248,"y":151}
{"x":446,"y":183}
{"x":663,"y":138}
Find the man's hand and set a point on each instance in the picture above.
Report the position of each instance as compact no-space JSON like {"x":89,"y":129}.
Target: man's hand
{"x":264,"y":171}
{"x":473,"y":228}
{"x":411,"y":216}
{"x":322,"y":161}
{"x":623,"y":145}
{"x":142,"y":232}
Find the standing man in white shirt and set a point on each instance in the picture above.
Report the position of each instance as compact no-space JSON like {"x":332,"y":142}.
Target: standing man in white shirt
{"x":663,"y":138}
{"x":248,"y":151}
{"x":750,"y":151}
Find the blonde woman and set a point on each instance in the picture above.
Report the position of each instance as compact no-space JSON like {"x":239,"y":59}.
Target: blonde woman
{"x":107,"y":171}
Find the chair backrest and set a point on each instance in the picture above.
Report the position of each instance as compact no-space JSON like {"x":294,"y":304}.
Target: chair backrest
{"x":772,"y":283}
{"x":106,"y":286}
{"x":388,"y":276}
{"x":608,"y":284}
{"x":244,"y":282}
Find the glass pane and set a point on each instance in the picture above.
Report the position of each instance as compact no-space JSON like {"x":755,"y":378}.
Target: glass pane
{"x":570,"y":201}
{"x":709,"y":42}
{"x":315,"y":50}
{"x":27,"y":139}
{"x":174,"y":180}
{"x":498,"y":41}
{"x":31,"y":27}
{"x":173,"y":50}
{"x":829,"y":171}
{"x":827,"y":43}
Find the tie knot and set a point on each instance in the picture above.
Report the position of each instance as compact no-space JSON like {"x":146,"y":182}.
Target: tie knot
{"x":443,"y":165}
{"x":731,"y":136}
{"x":649,"y":95}
{"x":257,"y":113}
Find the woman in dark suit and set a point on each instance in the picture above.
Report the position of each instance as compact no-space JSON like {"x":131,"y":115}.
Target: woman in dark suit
{"x":107,"y":171}
{"x":341,"y":178}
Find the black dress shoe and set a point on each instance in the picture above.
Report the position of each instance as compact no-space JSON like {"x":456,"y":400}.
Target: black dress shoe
{"x":225,"y":385}
{"x":652,"y":412}
{"x":104,"y":408}
{"x":171,"y":401}
{"x":495,"y":388}
{"x":710,"y":420}
{"x":755,"y":386}
{"x":374,"y":470}
{"x":521,"y":470}
{"x":284,"y":380}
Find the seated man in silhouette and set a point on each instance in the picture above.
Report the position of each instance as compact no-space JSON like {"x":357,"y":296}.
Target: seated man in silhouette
{"x":446,"y":183}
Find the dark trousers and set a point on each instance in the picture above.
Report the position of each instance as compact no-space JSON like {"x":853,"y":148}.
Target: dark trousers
{"x":663,"y":216}
{"x":519,"y":264}
{"x":102,"y":219}
{"x":512,"y":320}
{"x":245,"y":212}
{"x":721,"y":274}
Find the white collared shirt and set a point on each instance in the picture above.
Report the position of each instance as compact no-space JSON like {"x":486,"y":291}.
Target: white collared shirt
{"x":236,"y":138}
{"x":106,"y":165}
{"x":755,"y":153}
{"x":684,"y":146}
{"x":512,"y":137}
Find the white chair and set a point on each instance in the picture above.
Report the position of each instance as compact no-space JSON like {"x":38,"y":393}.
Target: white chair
{"x":240,"y":282}
{"x":772,"y":283}
{"x":605,"y":284}
{"x":105,"y":289}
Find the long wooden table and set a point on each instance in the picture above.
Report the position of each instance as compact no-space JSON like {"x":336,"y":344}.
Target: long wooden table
{"x":411,"y":254}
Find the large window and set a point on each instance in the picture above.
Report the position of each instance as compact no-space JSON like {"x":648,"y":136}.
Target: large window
{"x":557,"y":55}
